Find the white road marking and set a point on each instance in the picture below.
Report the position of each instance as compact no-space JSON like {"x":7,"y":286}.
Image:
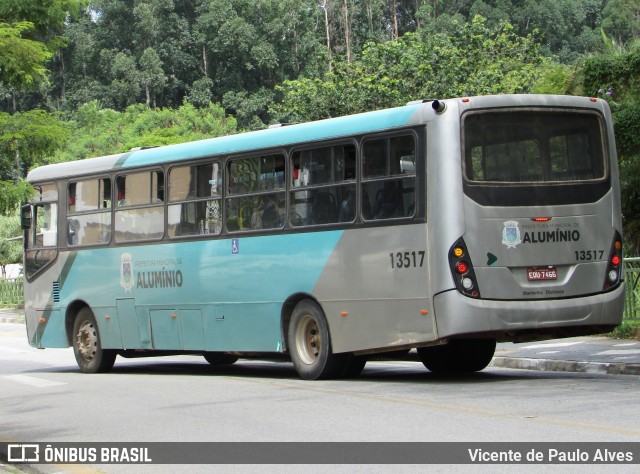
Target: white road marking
{"x":33,"y":381}
{"x":620,"y":352}
{"x":549,"y":352}
{"x":555,"y":344}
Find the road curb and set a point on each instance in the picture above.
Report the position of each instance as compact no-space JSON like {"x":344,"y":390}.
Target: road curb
{"x":551,"y":365}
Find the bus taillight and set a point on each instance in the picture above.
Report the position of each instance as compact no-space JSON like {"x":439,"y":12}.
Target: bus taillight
{"x":614,"y":272}
{"x":462,"y":270}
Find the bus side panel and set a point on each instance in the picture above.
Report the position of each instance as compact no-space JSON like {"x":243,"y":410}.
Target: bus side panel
{"x":237,"y":285}
{"x":40,"y":306}
{"x":378,"y":277}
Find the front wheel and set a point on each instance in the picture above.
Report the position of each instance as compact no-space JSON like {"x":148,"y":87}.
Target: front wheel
{"x":90,"y":355}
{"x":458,"y":356}
{"x":310,"y":343}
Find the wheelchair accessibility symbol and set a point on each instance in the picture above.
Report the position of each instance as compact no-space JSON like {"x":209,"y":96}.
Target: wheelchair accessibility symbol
{"x":235,"y":246}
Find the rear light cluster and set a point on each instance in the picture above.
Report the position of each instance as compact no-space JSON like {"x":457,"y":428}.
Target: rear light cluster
{"x":614,"y":264}
{"x":462,"y":270}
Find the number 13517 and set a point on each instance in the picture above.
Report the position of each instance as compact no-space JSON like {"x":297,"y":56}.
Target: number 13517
{"x":412,"y":259}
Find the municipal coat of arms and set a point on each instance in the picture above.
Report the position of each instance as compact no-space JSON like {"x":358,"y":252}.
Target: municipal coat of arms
{"x":511,"y":234}
{"x":126,"y":272}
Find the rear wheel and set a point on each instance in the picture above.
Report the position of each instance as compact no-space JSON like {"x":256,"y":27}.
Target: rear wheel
{"x":310,"y":344}
{"x":220,"y":358}
{"x":458,"y":356}
{"x":87,"y":348}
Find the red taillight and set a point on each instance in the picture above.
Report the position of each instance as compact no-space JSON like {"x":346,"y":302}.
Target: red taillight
{"x":614,"y":273}
{"x":462,"y":270}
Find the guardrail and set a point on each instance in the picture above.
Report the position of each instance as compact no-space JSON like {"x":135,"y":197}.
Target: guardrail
{"x":632,"y":289}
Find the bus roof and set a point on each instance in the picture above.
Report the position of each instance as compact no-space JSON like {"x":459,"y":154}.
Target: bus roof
{"x":349,"y":125}
{"x":242,"y":142}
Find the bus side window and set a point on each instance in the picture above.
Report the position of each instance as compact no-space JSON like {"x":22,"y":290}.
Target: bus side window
{"x":256,"y":193}
{"x":195,"y":195}
{"x":388,"y":184}
{"x":46,"y":227}
{"x":140,"y":213}
{"x":323,"y":185}
{"x":89,"y":216}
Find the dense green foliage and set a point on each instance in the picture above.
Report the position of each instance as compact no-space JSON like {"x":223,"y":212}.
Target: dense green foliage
{"x":96,"y":131}
{"x":616,"y":76}
{"x":81,"y":78}
{"x":475,"y":59}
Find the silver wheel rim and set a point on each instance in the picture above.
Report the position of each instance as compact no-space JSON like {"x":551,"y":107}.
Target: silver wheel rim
{"x":87,"y":341}
{"x":308,"y":340}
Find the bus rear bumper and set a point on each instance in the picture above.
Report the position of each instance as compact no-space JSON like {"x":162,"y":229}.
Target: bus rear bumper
{"x":459,"y":316}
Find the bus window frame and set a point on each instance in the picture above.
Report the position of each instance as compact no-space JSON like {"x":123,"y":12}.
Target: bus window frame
{"x":302,"y":188}
{"x":418,"y":175}
{"x":43,"y":256}
{"x":209,"y":160}
{"x":100,"y":210}
{"x":134,"y":207}
{"x":228,"y":195}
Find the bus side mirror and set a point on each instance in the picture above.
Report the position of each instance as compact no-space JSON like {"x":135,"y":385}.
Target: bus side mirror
{"x":25,"y":217}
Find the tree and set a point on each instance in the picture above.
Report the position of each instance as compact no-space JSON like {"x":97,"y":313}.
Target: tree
{"x":26,"y":140}
{"x":615,"y":77}
{"x":97,"y":131}
{"x":28,"y":37}
{"x":22,"y":60}
{"x":622,"y":20}
{"x":478,"y":59}
{"x":152,"y":75}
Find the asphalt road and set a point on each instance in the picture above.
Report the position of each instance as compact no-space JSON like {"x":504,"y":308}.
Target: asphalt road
{"x":43,"y":397}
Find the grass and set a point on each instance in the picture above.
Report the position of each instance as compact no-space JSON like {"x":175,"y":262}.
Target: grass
{"x":629,"y":329}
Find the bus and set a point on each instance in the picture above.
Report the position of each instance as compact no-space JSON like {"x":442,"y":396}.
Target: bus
{"x":443,"y":226}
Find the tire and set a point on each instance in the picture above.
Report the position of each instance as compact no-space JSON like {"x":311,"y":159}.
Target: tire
{"x":87,"y":348}
{"x":310,"y":345}
{"x":220,"y":358}
{"x":354,"y":365}
{"x":458,"y":356}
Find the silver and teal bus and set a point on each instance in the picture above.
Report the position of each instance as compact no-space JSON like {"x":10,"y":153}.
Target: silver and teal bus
{"x":443,"y":226}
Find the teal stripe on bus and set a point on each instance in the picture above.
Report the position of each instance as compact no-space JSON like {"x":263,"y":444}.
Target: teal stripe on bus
{"x":302,"y":133}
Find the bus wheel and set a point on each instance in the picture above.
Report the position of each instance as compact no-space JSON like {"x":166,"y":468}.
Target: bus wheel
{"x":310,"y":345}
{"x":458,"y":356}
{"x":220,"y":358}
{"x":90,"y":355}
{"x":353,"y":366}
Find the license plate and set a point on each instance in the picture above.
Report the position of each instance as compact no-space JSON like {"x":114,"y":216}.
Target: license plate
{"x":542,"y":273}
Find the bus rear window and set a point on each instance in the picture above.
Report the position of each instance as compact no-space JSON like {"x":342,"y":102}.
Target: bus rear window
{"x":533,"y":146}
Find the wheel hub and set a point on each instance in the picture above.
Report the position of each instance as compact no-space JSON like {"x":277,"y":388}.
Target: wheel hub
{"x":308,"y":340}
{"x":87,"y":340}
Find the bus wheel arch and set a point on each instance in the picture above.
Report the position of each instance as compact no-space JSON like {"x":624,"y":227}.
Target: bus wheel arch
{"x":70,"y":317}
{"x":309,"y":343}
{"x":287,"y":311}
{"x":86,"y":342}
